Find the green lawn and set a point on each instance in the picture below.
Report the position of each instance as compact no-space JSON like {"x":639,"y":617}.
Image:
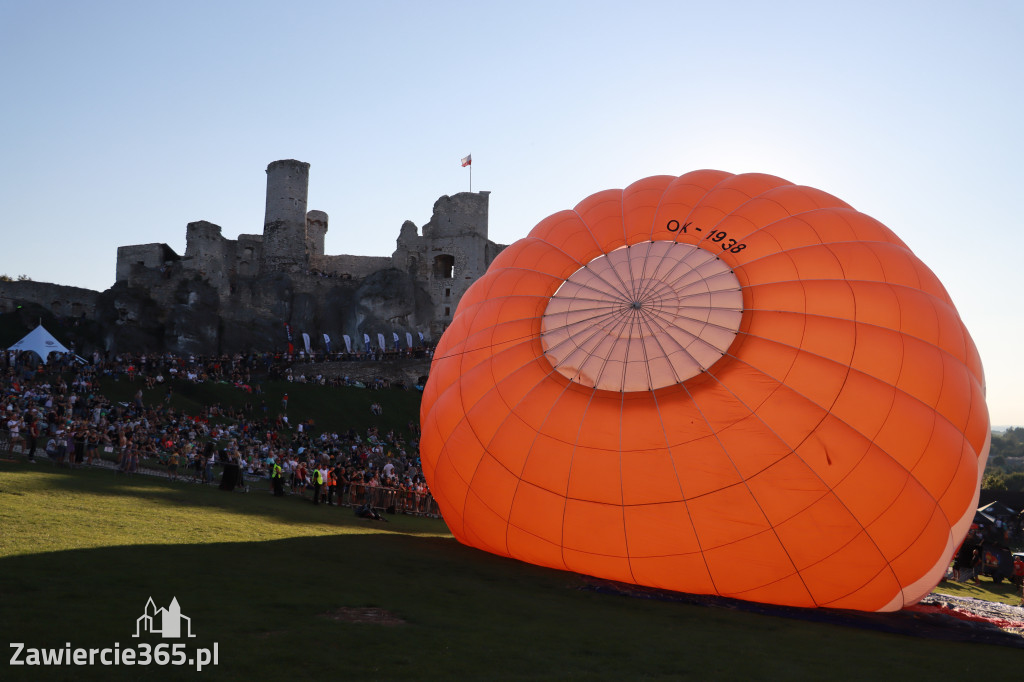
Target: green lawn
{"x":1004,"y":593}
{"x":270,"y":581}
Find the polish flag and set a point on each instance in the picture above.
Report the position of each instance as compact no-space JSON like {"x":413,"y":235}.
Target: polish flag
{"x":467,"y":160}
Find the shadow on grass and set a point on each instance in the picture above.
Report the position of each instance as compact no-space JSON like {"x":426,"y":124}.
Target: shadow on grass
{"x":271,"y":606}
{"x":467,"y":614}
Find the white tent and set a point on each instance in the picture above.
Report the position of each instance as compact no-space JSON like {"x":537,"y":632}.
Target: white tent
{"x":41,"y":342}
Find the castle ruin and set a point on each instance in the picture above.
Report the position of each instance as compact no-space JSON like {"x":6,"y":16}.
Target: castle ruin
{"x":228,"y":295}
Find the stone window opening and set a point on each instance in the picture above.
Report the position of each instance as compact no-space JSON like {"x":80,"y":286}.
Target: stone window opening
{"x":444,"y":266}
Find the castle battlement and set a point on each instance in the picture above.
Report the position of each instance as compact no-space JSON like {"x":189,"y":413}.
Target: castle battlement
{"x":285,"y":275}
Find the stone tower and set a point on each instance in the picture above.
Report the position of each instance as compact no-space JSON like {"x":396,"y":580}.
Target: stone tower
{"x":316,"y":231}
{"x":284,"y":227}
{"x":452,"y":253}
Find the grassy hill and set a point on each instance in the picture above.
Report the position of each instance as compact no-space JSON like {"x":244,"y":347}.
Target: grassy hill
{"x":287,"y":589}
{"x":330,"y":408}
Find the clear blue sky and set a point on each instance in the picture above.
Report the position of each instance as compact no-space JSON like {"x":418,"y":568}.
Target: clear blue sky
{"x":124,"y":121}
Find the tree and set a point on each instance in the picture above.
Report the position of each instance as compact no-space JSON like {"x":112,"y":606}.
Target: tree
{"x":994,"y":480}
{"x":1007,"y":444}
{"x":1015,"y":434}
{"x":1015,"y":481}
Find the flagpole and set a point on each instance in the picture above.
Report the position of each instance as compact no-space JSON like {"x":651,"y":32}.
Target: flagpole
{"x":468,"y":161}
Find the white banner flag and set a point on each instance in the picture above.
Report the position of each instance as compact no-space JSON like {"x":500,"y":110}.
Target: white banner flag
{"x":348,"y":342}
{"x":408,"y":339}
{"x":366,"y":342}
{"x":305,"y":340}
{"x":380,"y":340}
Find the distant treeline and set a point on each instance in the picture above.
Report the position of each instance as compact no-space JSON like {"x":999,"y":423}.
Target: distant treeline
{"x":1005,"y":470}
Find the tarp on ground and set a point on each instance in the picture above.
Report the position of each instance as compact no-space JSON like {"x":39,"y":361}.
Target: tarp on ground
{"x":40,"y":342}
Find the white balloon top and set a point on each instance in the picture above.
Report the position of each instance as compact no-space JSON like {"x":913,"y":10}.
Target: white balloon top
{"x":642,"y":317}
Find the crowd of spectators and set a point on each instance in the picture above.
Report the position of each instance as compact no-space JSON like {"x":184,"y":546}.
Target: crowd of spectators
{"x":57,"y":410}
{"x":239,"y":368}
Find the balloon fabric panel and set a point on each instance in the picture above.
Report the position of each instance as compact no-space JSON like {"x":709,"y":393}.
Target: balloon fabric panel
{"x":712,"y":383}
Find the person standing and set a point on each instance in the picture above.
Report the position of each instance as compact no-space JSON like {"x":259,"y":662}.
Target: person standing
{"x":80,"y":438}
{"x":318,"y":481}
{"x":277,"y":478}
{"x":332,"y":486}
{"x":14,"y":429}
{"x":69,"y":446}
{"x":338,"y":474}
{"x":325,"y":475}
{"x":344,"y":481}
{"x":91,"y":443}
{"x":300,"y":479}
{"x":33,"y":438}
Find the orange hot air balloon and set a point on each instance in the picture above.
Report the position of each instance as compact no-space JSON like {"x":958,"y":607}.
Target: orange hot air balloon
{"x":716,"y":384}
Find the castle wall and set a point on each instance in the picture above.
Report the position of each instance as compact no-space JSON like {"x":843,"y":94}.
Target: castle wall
{"x":461,"y":214}
{"x":145,"y":256}
{"x":248,"y":255}
{"x":207,"y":252}
{"x":60,"y":300}
{"x":454,"y":263}
{"x":452,"y":253}
{"x":355,"y":267}
{"x":284,"y":225}
{"x":227,"y":294}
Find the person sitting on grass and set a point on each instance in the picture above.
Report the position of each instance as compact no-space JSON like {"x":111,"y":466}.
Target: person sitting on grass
{"x":365,"y":511}
{"x":52,"y":447}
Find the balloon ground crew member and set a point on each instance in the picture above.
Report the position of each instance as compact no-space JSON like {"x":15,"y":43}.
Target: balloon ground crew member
{"x":277,"y":478}
{"x":318,"y":482}
{"x":332,"y":485}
